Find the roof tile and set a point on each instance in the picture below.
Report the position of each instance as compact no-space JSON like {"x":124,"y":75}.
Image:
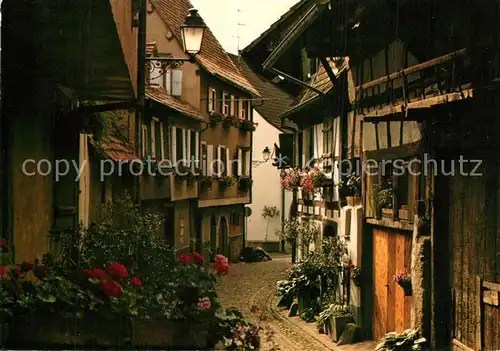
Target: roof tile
{"x":163,"y":97}
{"x":212,"y":57}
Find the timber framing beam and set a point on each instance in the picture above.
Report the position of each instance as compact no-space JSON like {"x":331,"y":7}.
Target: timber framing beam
{"x":296,"y":81}
{"x":397,"y":113}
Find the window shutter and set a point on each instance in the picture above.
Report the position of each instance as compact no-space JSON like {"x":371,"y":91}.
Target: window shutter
{"x":247,"y":163}
{"x":155,"y":76}
{"x":232,"y":112}
{"x":184,"y":146}
{"x":153,"y":139}
{"x":197,"y":148}
{"x":176,"y":82}
{"x":217,"y":158}
{"x":240,"y":160}
{"x":209,"y":100}
{"x":227,"y":163}
{"x":174,"y":146}
{"x":162,"y":141}
{"x":187,"y":133}
{"x":144,"y":141}
{"x":210,"y":158}
{"x":168,"y":81}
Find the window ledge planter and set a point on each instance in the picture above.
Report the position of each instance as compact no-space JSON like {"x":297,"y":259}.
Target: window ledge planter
{"x":229,"y":121}
{"x":387,"y":212}
{"x":225,"y":182}
{"x":247,"y":126}
{"x":337,"y":326}
{"x":215,"y":118}
{"x":245,"y":183}
{"x":205,"y":183}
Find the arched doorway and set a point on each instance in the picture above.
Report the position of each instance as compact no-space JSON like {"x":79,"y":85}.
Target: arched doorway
{"x":213,"y":236}
{"x":223,"y":237}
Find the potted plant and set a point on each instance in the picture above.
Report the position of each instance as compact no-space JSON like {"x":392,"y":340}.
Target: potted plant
{"x":235,"y":332}
{"x":312,"y":181}
{"x":244,"y":183}
{"x":335,"y":317}
{"x":215,"y":118}
{"x":229,"y":121}
{"x":247,"y":125}
{"x":383,"y":194}
{"x":355,"y":275}
{"x":268,"y":213}
{"x":290,"y":179}
{"x":408,"y":340}
{"x":225,"y":182}
{"x":403,"y":279}
{"x":350,"y":188}
{"x":205,"y":183}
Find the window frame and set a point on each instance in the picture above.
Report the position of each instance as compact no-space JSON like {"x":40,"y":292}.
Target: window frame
{"x":145,"y":140}
{"x":225,"y":103}
{"x":204,"y":158}
{"x":212,"y":98}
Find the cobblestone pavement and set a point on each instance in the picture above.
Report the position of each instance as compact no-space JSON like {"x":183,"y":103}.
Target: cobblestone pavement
{"x":252,"y":284}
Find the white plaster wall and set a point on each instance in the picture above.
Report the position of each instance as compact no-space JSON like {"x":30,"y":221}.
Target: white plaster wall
{"x":266,"y":188}
{"x":353,"y":243}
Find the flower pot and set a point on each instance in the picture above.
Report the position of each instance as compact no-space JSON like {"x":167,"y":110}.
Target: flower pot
{"x":337,"y":326}
{"x":387,"y":213}
{"x":406,"y":288}
{"x":178,"y":335}
{"x":304,"y":300}
{"x":403,"y":213}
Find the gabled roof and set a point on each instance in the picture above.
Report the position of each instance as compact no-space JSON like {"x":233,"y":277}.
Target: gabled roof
{"x":115,"y":149}
{"x":161,"y":96}
{"x":275,"y":100}
{"x":286,"y":21}
{"x":212,"y":57}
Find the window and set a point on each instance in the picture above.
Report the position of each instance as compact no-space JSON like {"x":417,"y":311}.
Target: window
{"x":193,"y":147}
{"x":243,"y":110}
{"x":157,"y":140}
{"x":243,"y":162}
{"x":179,"y":143}
{"x":237,"y":111}
{"x":212,"y":97}
{"x":176,"y":82}
{"x":225,"y":104}
{"x":222,"y":164}
{"x":327,"y":136}
{"x":144,"y":143}
{"x":167,"y":81}
{"x":204,"y":160}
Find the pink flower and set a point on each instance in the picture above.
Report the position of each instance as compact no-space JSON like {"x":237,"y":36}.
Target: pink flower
{"x":184,"y":258}
{"x":204,"y":304}
{"x":197,"y":258}
{"x":221,"y":264}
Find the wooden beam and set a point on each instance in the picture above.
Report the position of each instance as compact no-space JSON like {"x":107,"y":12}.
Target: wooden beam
{"x":461,"y":346}
{"x":328,"y":69}
{"x":479,"y":314}
{"x":412,"y":69}
{"x":416,"y":105}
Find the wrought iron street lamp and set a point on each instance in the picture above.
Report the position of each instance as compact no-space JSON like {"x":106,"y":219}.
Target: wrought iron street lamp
{"x":192,"y":32}
{"x":266,"y":154}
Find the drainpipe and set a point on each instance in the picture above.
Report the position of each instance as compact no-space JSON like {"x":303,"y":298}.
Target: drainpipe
{"x":283,"y":208}
{"x":141,"y":81}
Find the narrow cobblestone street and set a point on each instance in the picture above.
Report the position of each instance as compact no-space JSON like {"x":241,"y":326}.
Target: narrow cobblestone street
{"x":252,"y":285}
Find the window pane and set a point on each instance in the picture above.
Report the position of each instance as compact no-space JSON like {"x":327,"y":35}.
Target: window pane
{"x":157,"y":140}
{"x":223,"y":159}
{"x":179,"y":144}
{"x":193,"y":145}
{"x":204,"y":159}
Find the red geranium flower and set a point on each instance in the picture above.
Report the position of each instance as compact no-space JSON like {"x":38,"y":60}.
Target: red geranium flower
{"x":184,"y":258}
{"x":117,"y":270}
{"x":135,"y":281}
{"x":96,"y":273}
{"x":3,"y":242}
{"x":111,"y":288}
{"x":197,"y":258}
{"x":26,"y":266}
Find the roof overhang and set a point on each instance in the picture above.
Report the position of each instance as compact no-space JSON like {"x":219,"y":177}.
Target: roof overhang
{"x":302,"y":25}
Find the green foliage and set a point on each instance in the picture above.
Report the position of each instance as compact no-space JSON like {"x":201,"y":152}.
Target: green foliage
{"x":205,"y":182}
{"x":351,"y":185}
{"x":333,"y":311}
{"x":409,"y":339}
{"x":269,"y":212}
{"x":237,"y":333}
{"x":383,"y":194}
{"x":308,"y":315}
{"x":226,"y":182}
{"x":120,"y":234}
{"x":245,"y":183}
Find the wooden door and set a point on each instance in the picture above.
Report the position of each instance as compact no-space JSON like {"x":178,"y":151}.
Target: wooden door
{"x":391,"y":309}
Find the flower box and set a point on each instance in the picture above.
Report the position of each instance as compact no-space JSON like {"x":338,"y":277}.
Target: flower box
{"x":387,"y":213}
{"x":229,"y":121}
{"x":177,"y":335}
{"x":403,"y":212}
{"x":337,"y":325}
{"x":245,"y":184}
{"x":215,"y":118}
{"x":246,"y":125}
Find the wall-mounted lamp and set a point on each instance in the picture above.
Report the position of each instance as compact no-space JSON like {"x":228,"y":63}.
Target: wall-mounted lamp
{"x":266,"y":154}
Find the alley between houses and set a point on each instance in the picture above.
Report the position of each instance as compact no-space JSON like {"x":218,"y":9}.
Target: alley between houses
{"x":250,"y":287}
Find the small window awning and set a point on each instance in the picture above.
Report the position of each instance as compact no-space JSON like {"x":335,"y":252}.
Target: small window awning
{"x":114,"y":149}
